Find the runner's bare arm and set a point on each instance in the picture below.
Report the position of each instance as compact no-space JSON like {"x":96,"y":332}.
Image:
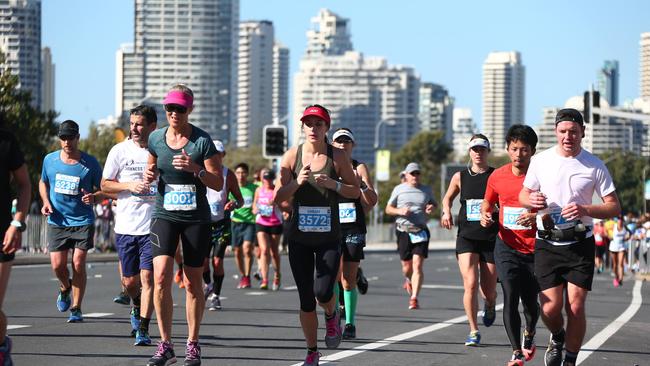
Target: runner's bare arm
{"x":43,"y":191}
{"x":610,"y":207}
{"x":13,"y":238}
{"x":287,"y":185}
{"x":447,"y":220}
{"x":369,"y":196}
{"x":233,"y":188}
{"x":350,"y":186}
{"x":214,"y":176}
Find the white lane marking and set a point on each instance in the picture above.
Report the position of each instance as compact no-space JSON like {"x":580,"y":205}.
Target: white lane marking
{"x":290,"y":288}
{"x":443,"y":269}
{"x":98,"y":276}
{"x":394,"y":339}
{"x":256,"y":293}
{"x":97,"y":315}
{"x":17,"y":326}
{"x":373,"y":278}
{"x":601,"y":337}
{"x":444,"y":287}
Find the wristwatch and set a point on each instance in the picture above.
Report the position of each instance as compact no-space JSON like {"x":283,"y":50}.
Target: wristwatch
{"x":19,"y":224}
{"x":201,"y":173}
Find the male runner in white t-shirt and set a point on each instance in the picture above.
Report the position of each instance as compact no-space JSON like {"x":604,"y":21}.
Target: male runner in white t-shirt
{"x":560,"y":184}
{"x":123,"y":171}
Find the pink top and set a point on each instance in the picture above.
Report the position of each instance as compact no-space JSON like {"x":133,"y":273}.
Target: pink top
{"x":267,"y":213}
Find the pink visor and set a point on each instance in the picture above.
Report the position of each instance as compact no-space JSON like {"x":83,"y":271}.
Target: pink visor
{"x":178,"y":97}
{"x":316,"y":111}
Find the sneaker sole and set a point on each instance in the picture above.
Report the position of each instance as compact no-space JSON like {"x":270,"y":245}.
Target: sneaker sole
{"x":529,"y":354}
{"x":142,"y":343}
{"x":332,"y":342}
{"x":471,"y":344}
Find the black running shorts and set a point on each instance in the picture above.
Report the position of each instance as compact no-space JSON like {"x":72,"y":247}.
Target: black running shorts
{"x":558,"y":264}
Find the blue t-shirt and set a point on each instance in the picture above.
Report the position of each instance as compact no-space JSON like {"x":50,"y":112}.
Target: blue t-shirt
{"x":66,"y":182}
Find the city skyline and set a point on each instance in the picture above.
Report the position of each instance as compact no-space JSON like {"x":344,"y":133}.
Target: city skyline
{"x":560,"y":57}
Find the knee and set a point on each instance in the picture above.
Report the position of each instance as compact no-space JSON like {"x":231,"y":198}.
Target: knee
{"x":194,"y":288}
{"x":78,"y":267}
{"x":575,"y":310}
{"x":130,"y":282}
{"x":323,"y":294}
{"x":551,"y":308}
{"x":161,"y":281}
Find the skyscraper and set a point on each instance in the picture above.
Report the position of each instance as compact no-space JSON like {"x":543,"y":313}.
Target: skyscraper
{"x":436,"y":110}
{"x":608,"y":76}
{"x":503,"y":96}
{"x":49,"y":74}
{"x":189,"y":42}
{"x":464,"y":128}
{"x":280,"y":82}
{"x":329,"y":35}
{"x":20,"y":41}
{"x":645,"y":66}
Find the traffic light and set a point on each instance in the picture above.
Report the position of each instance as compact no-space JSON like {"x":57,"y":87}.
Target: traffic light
{"x":590,"y":101}
{"x":275,"y":141}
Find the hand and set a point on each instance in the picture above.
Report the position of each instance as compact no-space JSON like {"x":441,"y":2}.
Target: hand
{"x":526,"y":219}
{"x":404,"y":211}
{"x":87,"y":197}
{"x":447,"y":221}
{"x":150,"y":174}
{"x":229,"y":205}
{"x":428,"y":209}
{"x":12,"y":240}
{"x":573,"y":211}
{"x":184,"y":162}
{"x":537,"y":200}
{"x":323,"y":180}
{"x":486,"y":219}
{"x":139,"y":187}
{"x":46,"y":210}
{"x":303,"y":175}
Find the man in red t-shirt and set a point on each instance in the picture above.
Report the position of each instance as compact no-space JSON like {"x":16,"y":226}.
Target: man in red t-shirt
{"x":513,"y":251}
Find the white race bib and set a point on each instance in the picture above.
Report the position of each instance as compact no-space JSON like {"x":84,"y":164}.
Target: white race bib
{"x":347,"y":212}
{"x":180,"y":197}
{"x":473,"y":210}
{"x":66,"y":184}
{"x":248,"y":202}
{"x":149,"y":196}
{"x":314,"y":219}
{"x":419,"y":237}
{"x":560,"y":222}
{"x":510,"y":215}
{"x":216,"y":208}
{"x":265,"y":210}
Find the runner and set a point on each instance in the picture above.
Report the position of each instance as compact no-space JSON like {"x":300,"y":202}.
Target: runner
{"x":221,"y":234}
{"x":352,"y":214}
{"x":412,"y":202}
{"x":617,"y":248}
{"x":243,"y":227}
{"x":474,"y":243}
{"x":513,"y":252}
{"x":12,"y":169}
{"x":561,"y":182}
{"x":268,"y":225}
{"x":602,"y":244}
{"x":68,"y":180}
{"x":309,"y":177}
{"x":125,"y":165}
{"x":185,"y":161}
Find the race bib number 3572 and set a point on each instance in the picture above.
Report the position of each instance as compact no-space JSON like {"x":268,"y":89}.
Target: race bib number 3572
{"x":66,"y":184}
{"x":180,"y":197}
{"x":314,"y":219}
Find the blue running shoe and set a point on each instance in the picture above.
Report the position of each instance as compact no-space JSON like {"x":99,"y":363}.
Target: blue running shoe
{"x":5,"y":352}
{"x":75,"y":316}
{"x":489,"y":315}
{"x":63,"y":301}
{"x":135,"y":319}
{"x":142,"y":338}
{"x":473,"y":339}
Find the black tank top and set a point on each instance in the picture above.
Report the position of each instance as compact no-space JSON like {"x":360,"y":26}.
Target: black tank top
{"x":359,"y":225}
{"x":315,"y":214}
{"x":472,"y":191}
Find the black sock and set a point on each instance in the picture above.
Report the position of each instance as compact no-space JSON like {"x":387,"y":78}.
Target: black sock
{"x":312,"y":349}
{"x":570,"y":356}
{"x":218,"y":281}
{"x":136,"y":301}
{"x":144,"y":323}
{"x":206,"y":277}
{"x":328,"y":317}
{"x":559,"y":336}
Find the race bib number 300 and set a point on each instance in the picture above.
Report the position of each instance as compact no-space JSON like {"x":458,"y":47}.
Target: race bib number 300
{"x":347,"y":212}
{"x":314,"y":219}
{"x":180,"y":197}
{"x":473,"y":210}
{"x":66,"y":184}
{"x":510,"y":215}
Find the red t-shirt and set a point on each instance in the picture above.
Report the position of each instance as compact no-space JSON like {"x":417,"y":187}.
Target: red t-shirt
{"x":503,"y":187}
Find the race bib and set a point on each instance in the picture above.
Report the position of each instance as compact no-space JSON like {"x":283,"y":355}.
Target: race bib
{"x":265,"y":210}
{"x":510,"y":215}
{"x":419,"y":237}
{"x":598,"y":238}
{"x":148,"y":196}
{"x":248,"y":202}
{"x":560,"y":222}
{"x":347,"y":212}
{"x":314,"y":219}
{"x":473,"y":210}
{"x":66,"y":184}
{"x":216,"y":208}
{"x":180,"y":197}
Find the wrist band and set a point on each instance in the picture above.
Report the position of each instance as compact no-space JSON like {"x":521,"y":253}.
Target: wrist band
{"x":338,"y":186}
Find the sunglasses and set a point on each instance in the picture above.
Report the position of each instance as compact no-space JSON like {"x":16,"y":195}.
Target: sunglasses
{"x":171,"y":108}
{"x":68,"y":137}
{"x":415,"y":173}
{"x":343,"y":141}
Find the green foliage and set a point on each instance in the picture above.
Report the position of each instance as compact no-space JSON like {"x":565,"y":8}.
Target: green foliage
{"x":34,"y":130}
{"x":251,"y":156}
{"x":99,"y":142}
{"x":626,"y":169}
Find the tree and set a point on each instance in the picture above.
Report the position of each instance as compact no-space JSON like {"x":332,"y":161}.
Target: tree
{"x":34,"y":130}
{"x":99,"y":142}
{"x":250,"y":155}
{"x":626,"y":169}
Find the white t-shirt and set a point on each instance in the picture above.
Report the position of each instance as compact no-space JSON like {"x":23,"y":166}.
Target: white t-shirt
{"x":567,"y":180}
{"x":126,"y":162}
{"x":217,"y":199}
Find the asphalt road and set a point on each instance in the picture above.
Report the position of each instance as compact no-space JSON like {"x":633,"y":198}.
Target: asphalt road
{"x":261,"y":327}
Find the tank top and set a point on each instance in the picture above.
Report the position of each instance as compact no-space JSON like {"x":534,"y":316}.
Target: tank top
{"x":351,"y":214}
{"x":472,"y":191}
{"x":315,"y":214}
{"x":217,"y":199}
{"x":267,"y":213}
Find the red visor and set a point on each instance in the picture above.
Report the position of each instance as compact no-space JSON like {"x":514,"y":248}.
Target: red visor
{"x":316,"y":111}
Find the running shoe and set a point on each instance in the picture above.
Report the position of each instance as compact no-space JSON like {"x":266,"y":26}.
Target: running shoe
{"x":312,"y":359}
{"x":350,"y":332}
{"x":517,"y":359}
{"x":473,"y":339}
{"x":246,"y":282}
{"x":135,"y":319}
{"x":568,"y":363}
{"x":75,"y":316}
{"x":257,"y":275}
{"x":333,"y":330}
{"x":164,"y":355}
{"x":192,"y":354}
{"x":63,"y":300}
{"x":241,"y":282}
{"x":529,"y":347}
{"x":407,"y":286}
{"x":615,"y":282}
{"x":142,"y":338}
{"x":122,"y":298}
{"x":489,"y":314}
{"x":5,"y":352}
{"x":276,"y":282}
{"x":413,"y":304}
{"x":264,"y":285}
{"x":553,"y":355}
{"x":207,"y":289}
{"x":362,"y":282}
{"x":214,"y":303}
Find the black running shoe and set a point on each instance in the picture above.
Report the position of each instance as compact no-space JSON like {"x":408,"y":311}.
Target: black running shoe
{"x":350,"y":332}
{"x":553,"y":355}
{"x":362,"y":282}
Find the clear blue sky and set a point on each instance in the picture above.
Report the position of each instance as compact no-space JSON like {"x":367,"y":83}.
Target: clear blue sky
{"x":562,"y":43}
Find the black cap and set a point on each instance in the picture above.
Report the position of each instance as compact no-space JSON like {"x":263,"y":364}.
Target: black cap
{"x":569,"y":114}
{"x":68,"y":128}
{"x":269,"y":174}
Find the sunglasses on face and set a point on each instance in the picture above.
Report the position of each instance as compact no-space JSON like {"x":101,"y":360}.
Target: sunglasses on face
{"x":68,"y":138}
{"x":171,"y":108}
{"x":478,"y":149}
{"x":343,"y":141}
{"x":415,"y":173}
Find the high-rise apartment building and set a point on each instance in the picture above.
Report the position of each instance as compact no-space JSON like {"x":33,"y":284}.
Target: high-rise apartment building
{"x":436,"y":110}
{"x":644,"y":77}
{"x":608,"y":77}
{"x":464,"y":128}
{"x":20,"y":42}
{"x":329,"y":35}
{"x":189,"y":42}
{"x":280,"y":83}
{"x":503,"y":96}
{"x":49,"y":74}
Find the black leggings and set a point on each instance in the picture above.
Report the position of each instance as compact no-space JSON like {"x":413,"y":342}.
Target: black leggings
{"x":515,"y":271}
{"x":326,"y":259}
{"x":195,"y":239}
